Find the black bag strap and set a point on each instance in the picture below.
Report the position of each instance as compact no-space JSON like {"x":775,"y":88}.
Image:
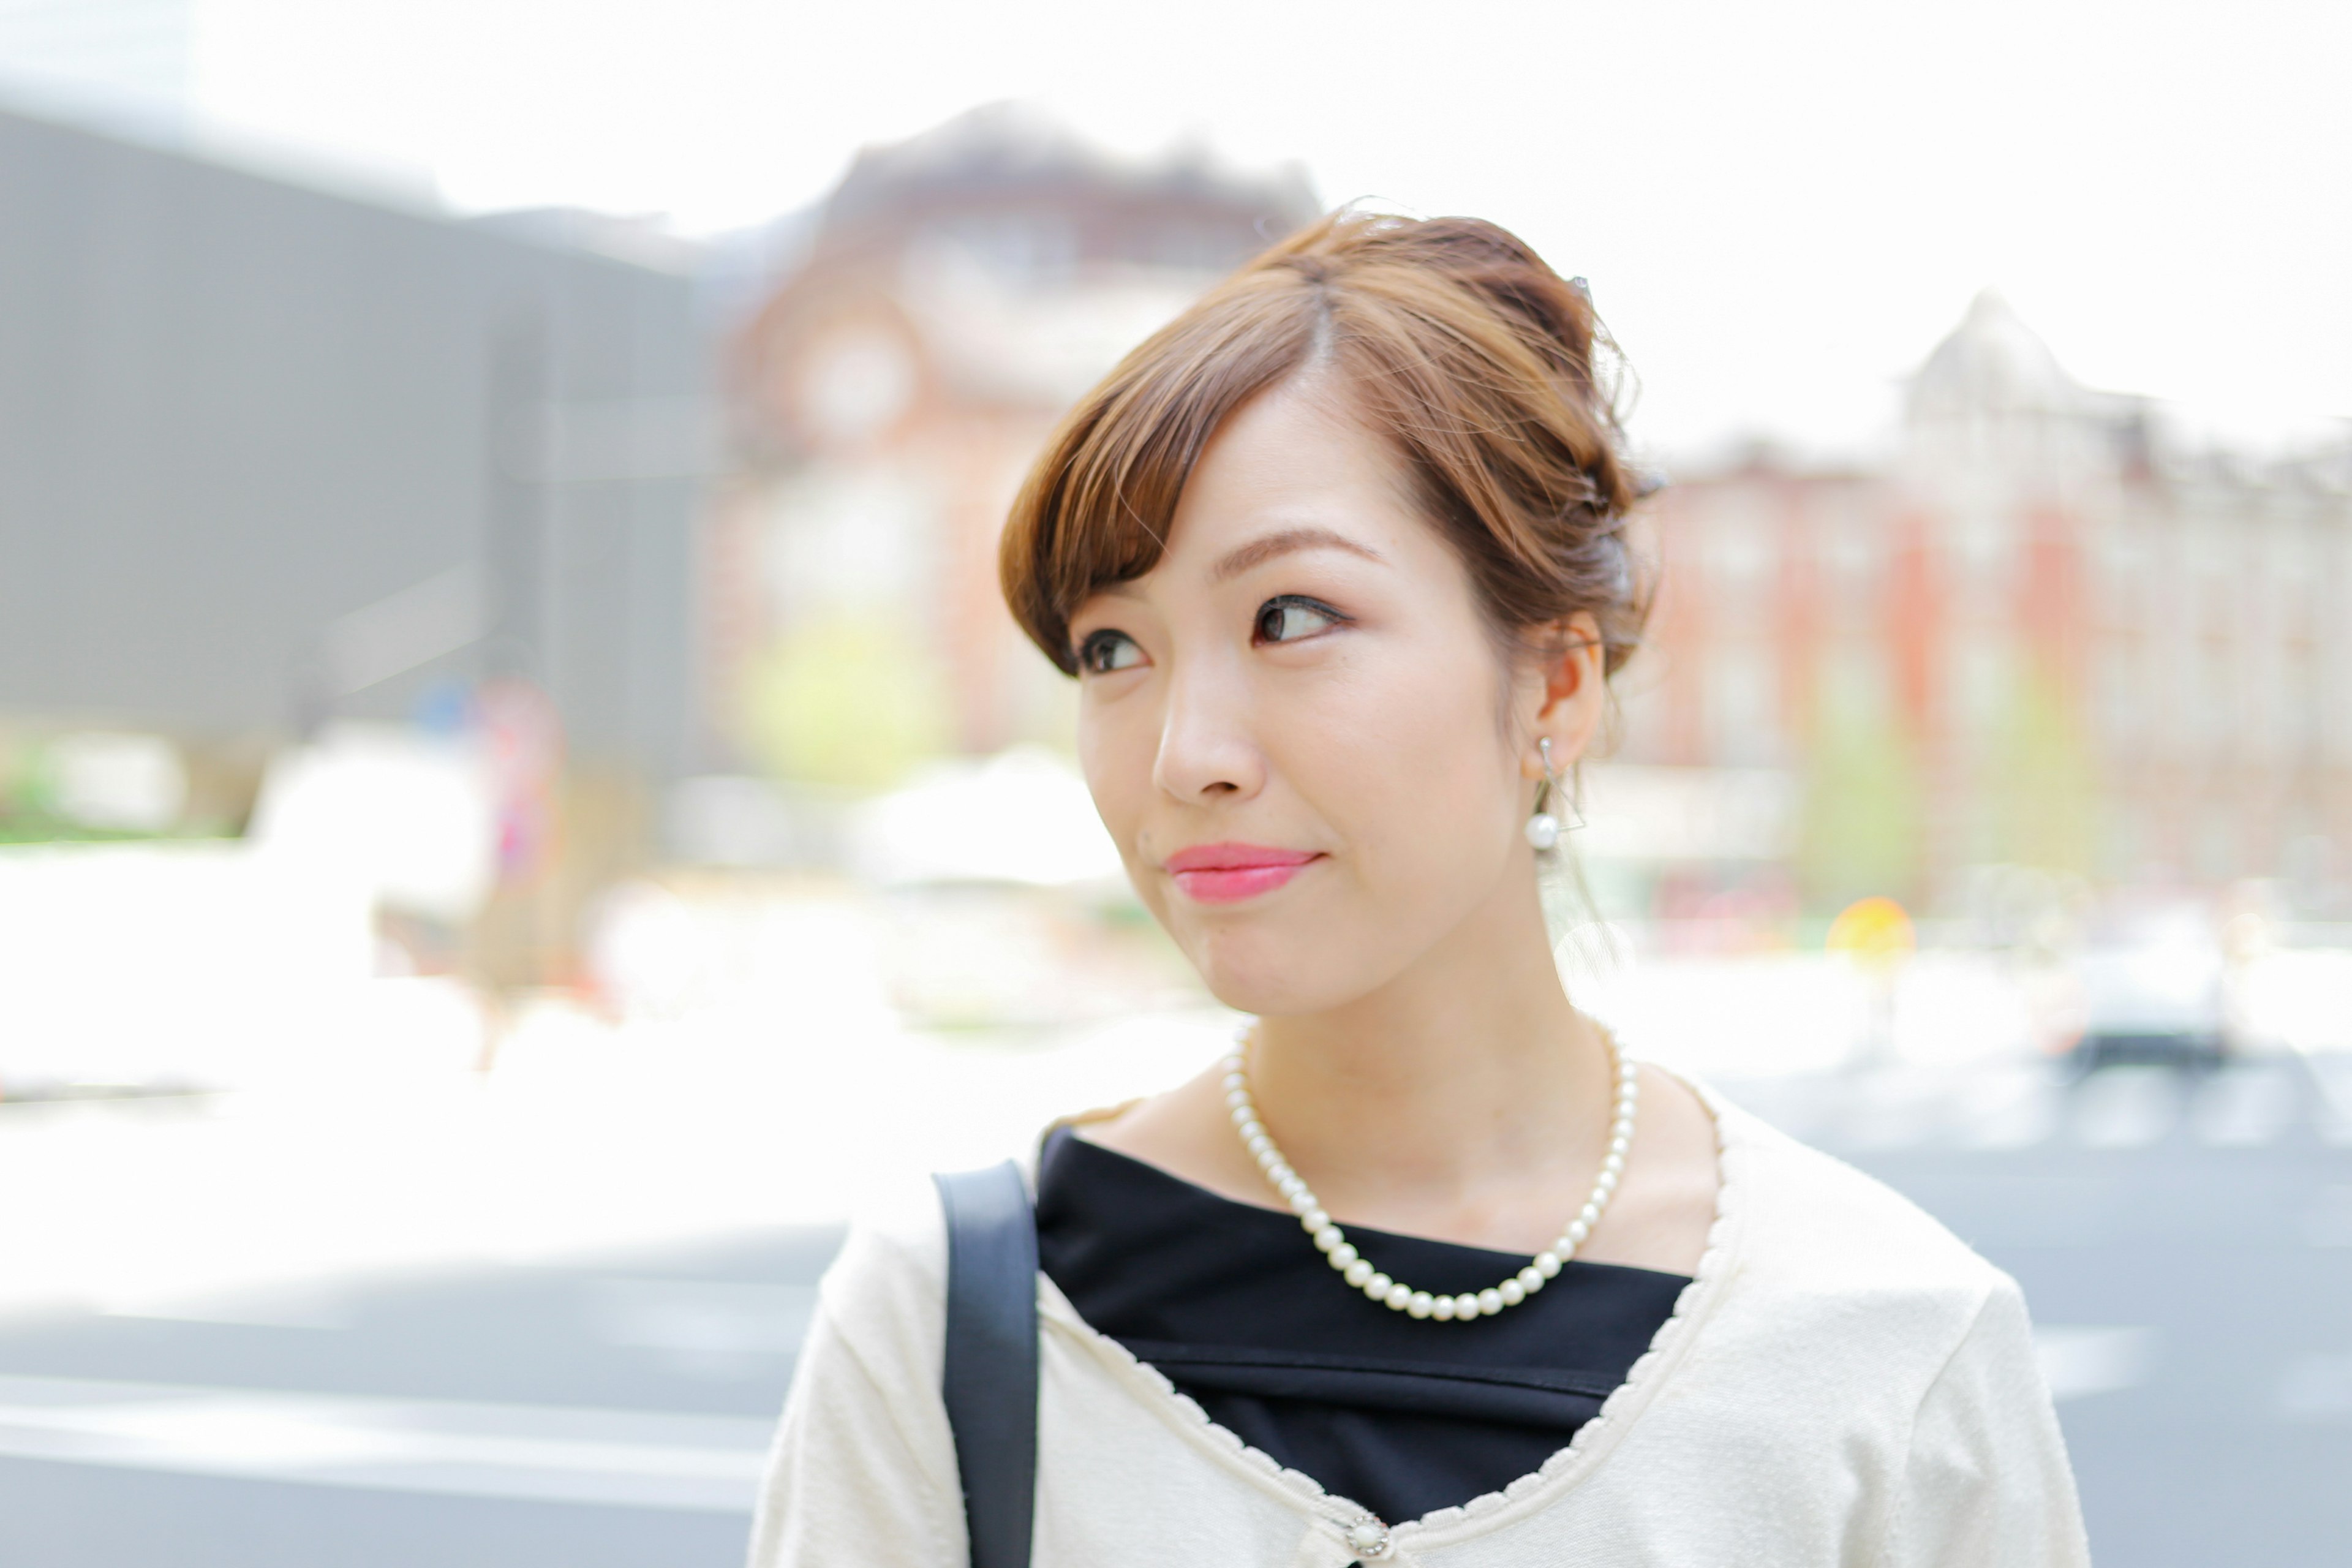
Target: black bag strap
{"x":990,"y":1381}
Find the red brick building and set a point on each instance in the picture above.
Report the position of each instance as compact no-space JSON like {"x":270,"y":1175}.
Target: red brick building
{"x":2043,"y":635}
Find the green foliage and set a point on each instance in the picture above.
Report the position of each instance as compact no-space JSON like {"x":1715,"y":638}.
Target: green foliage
{"x":846,"y":701}
{"x":1862,"y":812}
{"x":41,"y":827}
{"x":2039,"y":788}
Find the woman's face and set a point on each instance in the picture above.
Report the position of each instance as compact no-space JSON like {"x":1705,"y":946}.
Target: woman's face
{"x":1291,"y":723}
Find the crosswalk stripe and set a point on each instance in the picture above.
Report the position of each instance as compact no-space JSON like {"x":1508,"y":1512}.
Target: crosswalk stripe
{"x":542,"y":1453}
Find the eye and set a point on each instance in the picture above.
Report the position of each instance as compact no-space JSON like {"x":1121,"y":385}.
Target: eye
{"x":1291,"y":616}
{"x":1106,"y":651}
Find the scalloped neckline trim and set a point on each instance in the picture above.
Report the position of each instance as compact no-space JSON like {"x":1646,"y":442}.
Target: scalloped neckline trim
{"x":1528,"y":1494}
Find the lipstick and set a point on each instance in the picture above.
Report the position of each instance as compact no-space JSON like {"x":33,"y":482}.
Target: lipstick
{"x":1228,"y":873}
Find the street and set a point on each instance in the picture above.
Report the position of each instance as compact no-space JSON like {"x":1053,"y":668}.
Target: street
{"x":2186,"y":1246}
{"x":597,"y":1415}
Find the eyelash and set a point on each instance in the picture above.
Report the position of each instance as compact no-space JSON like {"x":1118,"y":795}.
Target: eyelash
{"x":1281,"y":601}
{"x":1099,"y":645}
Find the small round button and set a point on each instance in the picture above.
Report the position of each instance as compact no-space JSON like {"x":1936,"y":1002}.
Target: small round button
{"x":1369,"y":1540}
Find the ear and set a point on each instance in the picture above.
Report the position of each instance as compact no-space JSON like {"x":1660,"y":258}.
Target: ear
{"x":1574,"y":694}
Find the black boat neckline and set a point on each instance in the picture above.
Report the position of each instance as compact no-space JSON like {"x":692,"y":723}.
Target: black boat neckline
{"x":1504,"y":1262}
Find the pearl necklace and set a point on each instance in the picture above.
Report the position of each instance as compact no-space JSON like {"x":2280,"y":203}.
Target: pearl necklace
{"x":1395,"y":1294}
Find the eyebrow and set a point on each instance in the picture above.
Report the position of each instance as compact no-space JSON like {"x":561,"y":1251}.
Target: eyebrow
{"x":1258,"y":551}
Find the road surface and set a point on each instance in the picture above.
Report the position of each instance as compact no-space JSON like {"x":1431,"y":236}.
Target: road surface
{"x":2185,"y":1247}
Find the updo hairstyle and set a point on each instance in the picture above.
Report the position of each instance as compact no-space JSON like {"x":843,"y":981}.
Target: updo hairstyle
{"x":1451,"y":338}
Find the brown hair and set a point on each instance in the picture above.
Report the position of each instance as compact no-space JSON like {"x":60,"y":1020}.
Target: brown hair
{"x":1455,"y":342}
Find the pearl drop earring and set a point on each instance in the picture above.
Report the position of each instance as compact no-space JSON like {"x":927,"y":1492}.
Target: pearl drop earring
{"x":1543,"y":828}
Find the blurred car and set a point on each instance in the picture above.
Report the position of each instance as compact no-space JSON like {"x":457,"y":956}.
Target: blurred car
{"x":2154,"y":987}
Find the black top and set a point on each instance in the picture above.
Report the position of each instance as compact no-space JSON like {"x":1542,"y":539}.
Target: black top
{"x":1234,"y":1304}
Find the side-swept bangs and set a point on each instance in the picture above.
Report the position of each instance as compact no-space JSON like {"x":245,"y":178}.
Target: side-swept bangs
{"x":1097,"y":507}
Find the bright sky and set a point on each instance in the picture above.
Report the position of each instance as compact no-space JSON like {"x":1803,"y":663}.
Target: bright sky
{"x":1781,"y":208}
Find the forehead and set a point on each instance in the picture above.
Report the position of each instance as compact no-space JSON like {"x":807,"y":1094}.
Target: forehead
{"x":1294,"y":458}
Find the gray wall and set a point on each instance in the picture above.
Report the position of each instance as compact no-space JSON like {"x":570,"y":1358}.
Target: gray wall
{"x":235,"y":413}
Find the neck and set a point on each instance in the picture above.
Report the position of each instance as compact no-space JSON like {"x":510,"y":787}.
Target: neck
{"x":1469,"y":1073}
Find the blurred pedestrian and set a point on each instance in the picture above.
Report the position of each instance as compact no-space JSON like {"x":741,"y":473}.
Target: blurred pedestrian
{"x":1427,"y":1270}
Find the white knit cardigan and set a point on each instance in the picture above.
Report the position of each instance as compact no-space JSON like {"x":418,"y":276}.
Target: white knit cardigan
{"x":1842,"y":1382}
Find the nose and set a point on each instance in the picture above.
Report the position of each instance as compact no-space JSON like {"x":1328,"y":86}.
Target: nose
{"x":1208,"y":750}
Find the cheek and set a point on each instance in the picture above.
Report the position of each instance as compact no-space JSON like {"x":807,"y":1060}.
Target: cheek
{"x":1407,"y":765}
{"x":1117,"y":764}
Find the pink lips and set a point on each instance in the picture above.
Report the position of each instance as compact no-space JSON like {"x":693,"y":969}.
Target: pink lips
{"x":1228,"y":873}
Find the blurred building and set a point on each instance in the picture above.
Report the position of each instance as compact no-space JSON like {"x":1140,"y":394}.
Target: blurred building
{"x":272,"y":457}
{"x":2043,"y":635}
{"x":956,"y":294}
{"x":128,"y":51}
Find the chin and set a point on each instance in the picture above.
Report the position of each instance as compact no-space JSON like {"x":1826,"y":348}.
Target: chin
{"x":1273,"y":973}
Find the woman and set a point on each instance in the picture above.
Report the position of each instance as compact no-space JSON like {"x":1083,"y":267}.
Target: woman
{"x":1338,"y":560}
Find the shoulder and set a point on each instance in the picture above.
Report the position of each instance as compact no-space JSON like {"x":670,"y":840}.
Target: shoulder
{"x":1818,"y":1241}
{"x":864,"y":1466}
{"x":1829,"y":1307}
{"x":885,"y":1295}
